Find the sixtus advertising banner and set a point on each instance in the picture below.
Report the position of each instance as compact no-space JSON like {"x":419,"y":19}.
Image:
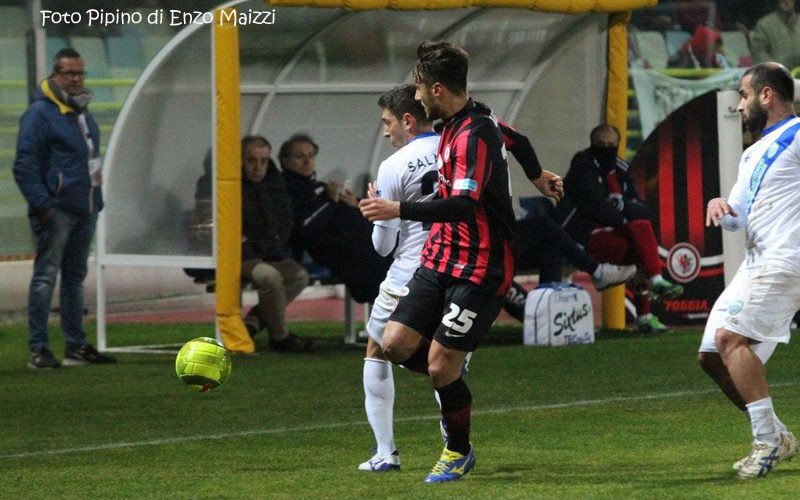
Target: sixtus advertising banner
{"x":677,"y":171}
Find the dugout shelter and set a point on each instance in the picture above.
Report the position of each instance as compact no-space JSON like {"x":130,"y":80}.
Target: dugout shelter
{"x":553,"y":69}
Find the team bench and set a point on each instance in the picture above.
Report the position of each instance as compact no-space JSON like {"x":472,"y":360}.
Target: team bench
{"x":317,"y":276}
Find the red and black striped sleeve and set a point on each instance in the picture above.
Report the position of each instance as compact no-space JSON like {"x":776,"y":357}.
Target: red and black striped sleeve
{"x":520,"y":146}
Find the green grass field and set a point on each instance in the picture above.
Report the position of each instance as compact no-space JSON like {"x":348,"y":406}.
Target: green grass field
{"x":627,"y":417}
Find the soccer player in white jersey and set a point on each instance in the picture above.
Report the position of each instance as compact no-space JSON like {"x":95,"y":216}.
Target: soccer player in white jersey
{"x":410,"y":174}
{"x":754,"y":312}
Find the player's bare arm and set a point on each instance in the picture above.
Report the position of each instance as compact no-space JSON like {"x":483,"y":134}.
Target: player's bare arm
{"x":379,"y":209}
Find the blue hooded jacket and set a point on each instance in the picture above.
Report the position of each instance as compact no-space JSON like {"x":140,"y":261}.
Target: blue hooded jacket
{"x":52,"y":163}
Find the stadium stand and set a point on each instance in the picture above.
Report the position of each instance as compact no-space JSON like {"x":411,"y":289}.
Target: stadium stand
{"x":151,"y":44}
{"x":53,"y":44}
{"x":651,"y":48}
{"x":675,"y":40}
{"x":736,"y":48}
{"x":93,"y":51}
{"x":14,"y":21}
{"x":12,"y":58}
{"x":124,"y":52}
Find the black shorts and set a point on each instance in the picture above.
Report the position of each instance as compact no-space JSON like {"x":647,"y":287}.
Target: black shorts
{"x":455,"y":312}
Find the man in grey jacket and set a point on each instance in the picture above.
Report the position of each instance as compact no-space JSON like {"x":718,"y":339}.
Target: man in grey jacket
{"x":776,"y":36}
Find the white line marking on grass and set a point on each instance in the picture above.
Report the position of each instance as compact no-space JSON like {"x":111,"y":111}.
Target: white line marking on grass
{"x":316,"y":427}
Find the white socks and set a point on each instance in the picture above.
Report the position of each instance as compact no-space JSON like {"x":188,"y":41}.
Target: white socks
{"x":766,"y":426}
{"x":379,"y":402}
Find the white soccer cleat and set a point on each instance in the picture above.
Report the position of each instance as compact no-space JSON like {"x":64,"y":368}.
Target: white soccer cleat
{"x":786,"y":450}
{"x":382,"y":464}
{"x":608,"y":275}
{"x":759,"y":462}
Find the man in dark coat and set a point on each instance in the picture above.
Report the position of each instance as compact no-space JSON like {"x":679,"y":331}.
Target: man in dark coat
{"x":603,"y":211}
{"x":328,"y":224}
{"x":266,"y":226}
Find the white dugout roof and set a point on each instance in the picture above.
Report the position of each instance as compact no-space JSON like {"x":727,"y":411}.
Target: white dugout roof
{"x":321,"y":71}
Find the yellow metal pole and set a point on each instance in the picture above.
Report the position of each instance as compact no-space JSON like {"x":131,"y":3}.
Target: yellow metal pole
{"x":229,"y":186}
{"x":617,"y":115}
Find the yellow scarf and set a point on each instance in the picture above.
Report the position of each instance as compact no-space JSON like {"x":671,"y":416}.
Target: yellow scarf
{"x":64,"y":108}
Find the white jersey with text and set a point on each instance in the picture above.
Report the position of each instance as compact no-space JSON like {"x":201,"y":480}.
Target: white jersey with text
{"x":410,"y":174}
{"x":767,"y":196}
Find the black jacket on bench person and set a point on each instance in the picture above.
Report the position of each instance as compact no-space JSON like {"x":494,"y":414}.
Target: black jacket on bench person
{"x":336,"y":236}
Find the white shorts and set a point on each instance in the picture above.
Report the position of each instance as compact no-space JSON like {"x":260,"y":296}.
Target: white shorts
{"x":384,"y":305}
{"x":758,"y":304}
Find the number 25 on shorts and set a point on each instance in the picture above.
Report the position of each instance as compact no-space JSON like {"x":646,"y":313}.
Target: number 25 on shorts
{"x":459,"y":319}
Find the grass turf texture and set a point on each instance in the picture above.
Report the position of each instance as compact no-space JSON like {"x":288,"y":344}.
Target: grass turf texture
{"x":629,"y":417}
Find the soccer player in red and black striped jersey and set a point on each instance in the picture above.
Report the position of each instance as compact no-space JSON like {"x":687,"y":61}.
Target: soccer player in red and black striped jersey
{"x":468,"y":260}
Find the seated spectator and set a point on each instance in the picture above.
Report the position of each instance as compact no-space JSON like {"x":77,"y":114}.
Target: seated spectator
{"x":328,"y":224}
{"x":689,"y":14}
{"x":602,"y":210}
{"x":266,"y":225}
{"x":740,"y":14}
{"x":201,"y":223}
{"x":776,"y":36}
{"x":703,"y":50}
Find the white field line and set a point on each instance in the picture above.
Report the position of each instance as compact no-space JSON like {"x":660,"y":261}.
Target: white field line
{"x":337,"y":425}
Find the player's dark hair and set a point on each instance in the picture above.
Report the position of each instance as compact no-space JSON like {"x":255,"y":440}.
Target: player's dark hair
{"x":603,"y":127}
{"x":400,"y":100}
{"x":442,"y":62}
{"x":774,"y":76}
{"x":258,"y":140}
{"x":286,"y":147}
{"x":67,"y":53}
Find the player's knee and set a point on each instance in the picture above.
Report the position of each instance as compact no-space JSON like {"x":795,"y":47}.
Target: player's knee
{"x":727,"y":341}
{"x":394,"y":352}
{"x":395,"y":345}
{"x":374,"y":350}
{"x":442,"y":372}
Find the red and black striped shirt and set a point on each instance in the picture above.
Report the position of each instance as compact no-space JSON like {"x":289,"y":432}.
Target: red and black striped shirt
{"x":472,"y":163}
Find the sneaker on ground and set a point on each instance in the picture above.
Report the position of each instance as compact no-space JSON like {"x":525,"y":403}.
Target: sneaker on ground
{"x":382,"y":464}
{"x":760,"y":461}
{"x":607,"y":275}
{"x":251,"y":330}
{"x":664,"y":289}
{"x":786,"y":451}
{"x":451,"y":466}
{"x":86,"y":355}
{"x":42,"y":358}
{"x":292,"y":343}
{"x":649,"y":323}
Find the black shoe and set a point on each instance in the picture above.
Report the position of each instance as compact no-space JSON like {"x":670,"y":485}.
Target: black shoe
{"x":251,"y":330}
{"x":84,"y":356}
{"x":292,"y":343}
{"x":42,"y":358}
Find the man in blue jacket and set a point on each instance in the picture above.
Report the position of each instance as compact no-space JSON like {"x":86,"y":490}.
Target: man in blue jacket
{"x":58,"y":170}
